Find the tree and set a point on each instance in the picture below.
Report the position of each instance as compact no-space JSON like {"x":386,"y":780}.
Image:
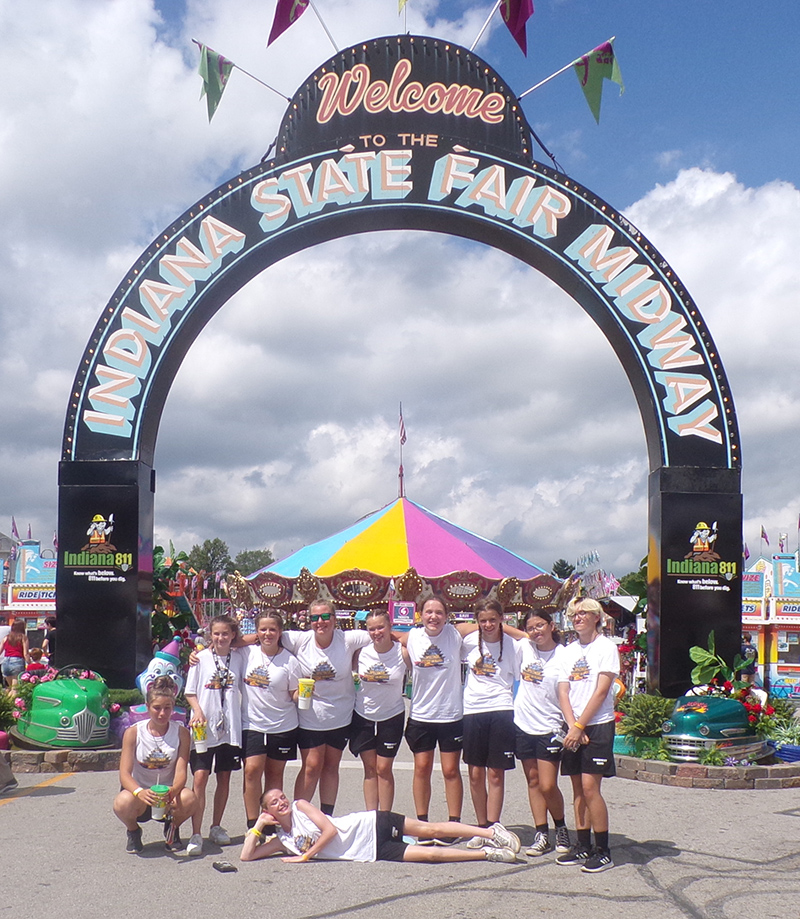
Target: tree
{"x":562,"y":569}
{"x":634,"y":583}
{"x":212,"y":556}
{"x":249,"y":560}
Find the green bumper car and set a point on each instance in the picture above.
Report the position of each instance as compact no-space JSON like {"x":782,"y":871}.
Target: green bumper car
{"x":66,"y":713}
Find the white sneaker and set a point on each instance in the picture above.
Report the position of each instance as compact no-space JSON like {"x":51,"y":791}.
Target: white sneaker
{"x":195,"y":846}
{"x":477,"y":842}
{"x":218,"y":836}
{"x":504,"y":838}
{"x":501,"y":854}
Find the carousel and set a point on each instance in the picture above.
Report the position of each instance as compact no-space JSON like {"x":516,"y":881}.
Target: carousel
{"x":402,"y":553}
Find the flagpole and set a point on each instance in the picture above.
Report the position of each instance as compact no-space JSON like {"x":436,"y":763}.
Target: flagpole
{"x":401,"y":432}
{"x":246,"y":73}
{"x":559,"y":72}
{"x":495,"y":8}
{"x":316,"y":13}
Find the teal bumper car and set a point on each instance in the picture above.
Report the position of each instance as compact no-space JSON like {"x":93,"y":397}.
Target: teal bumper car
{"x":700,"y":723}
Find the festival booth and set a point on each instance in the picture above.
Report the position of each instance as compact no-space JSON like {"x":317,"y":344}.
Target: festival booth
{"x":31,"y":588}
{"x":395,"y":558}
{"x":771,"y":613}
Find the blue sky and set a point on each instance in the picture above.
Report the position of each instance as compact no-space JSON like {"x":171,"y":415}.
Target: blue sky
{"x":281,"y":425}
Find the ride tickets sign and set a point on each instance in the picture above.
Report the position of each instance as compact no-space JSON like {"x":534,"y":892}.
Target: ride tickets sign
{"x":403,"y":132}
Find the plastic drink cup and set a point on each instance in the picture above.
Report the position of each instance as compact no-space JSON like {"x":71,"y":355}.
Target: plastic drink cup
{"x":305,"y":691}
{"x":199,"y":735}
{"x":159,"y":807}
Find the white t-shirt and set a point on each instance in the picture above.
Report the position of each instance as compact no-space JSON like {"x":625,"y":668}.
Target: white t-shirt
{"x":269,"y":682}
{"x":219,"y":692}
{"x":155,"y":757}
{"x":382,"y":675}
{"x":356,"y":842}
{"x":436,"y":662}
{"x":536,"y":708}
{"x":331,"y":669}
{"x":580,"y":667}
{"x":490,"y":682}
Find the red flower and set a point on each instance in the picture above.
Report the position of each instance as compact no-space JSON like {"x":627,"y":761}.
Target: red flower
{"x":770,"y":710}
{"x":618,"y":716}
{"x":727,"y":686}
{"x":752,"y":718}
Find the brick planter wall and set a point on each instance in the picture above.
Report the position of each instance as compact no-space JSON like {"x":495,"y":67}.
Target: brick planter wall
{"x":693,"y":775}
{"x":62,"y":760}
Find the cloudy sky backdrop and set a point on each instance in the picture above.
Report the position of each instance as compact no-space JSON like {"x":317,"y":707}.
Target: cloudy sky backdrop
{"x":281,"y":426}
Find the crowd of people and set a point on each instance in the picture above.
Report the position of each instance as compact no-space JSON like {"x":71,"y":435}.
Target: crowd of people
{"x":526,"y":696}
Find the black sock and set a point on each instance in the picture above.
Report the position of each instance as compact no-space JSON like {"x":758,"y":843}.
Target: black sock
{"x":542,"y":828}
{"x":455,"y":819}
{"x":422,"y":817}
{"x":601,"y":840}
{"x":559,"y":823}
{"x":252,"y":823}
{"x":584,"y":838}
{"x":484,"y":826}
{"x":326,"y":809}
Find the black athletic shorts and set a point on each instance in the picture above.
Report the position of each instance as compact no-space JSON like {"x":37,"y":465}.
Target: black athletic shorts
{"x":389,"y":837}
{"x":382,"y":736}
{"x":281,"y":746}
{"x":594,"y":758}
{"x":224,"y":758}
{"x":489,"y":739}
{"x":336,"y":737}
{"x":423,"y":736}
{"x":537,"y":746}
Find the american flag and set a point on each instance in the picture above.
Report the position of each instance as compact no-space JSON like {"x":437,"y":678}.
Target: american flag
{"x":403,"y":437}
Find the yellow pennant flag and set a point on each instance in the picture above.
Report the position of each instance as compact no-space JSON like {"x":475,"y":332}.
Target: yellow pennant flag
{"x":400,"y":5}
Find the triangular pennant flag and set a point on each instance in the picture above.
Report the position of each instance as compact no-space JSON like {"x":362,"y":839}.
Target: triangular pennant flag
{"x":215,"y":71}
{"x":516,"y":14}
{"x":598,"y":65}
{"x":287,"y":13}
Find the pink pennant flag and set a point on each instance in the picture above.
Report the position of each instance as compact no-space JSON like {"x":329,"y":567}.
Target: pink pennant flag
{"x":764,"y":535}
{"x":516,"y":14}
{"x":287,"y":13}
{"x":14,"y":530}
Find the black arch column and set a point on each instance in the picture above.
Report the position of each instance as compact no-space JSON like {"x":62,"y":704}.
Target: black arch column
{"x":104,"y":588}
{"x":688,"y":595}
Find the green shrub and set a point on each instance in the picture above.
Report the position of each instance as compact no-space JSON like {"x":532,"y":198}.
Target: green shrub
{"x":787,"y":734}
{"x":7,"y":720}
{"x":125,"y":697}
{"x":644,"y":714}
{"x":712,"y":756}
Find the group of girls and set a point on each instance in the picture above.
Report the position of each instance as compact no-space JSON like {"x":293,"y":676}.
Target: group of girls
{"x":244,"y":690}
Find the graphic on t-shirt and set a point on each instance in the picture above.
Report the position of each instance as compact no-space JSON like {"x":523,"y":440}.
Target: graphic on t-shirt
{"x":156,"y":759}
{"x":431,"y":658}
{"x":258,"y":676}
{"x":323,"y":671}
{"x":533,"y":673}
{"x":485,"y":666}
{"x":303,"y":842}
{"x":580,"y":671}
{"x":377,"y":673}
{"x":221,"y":680}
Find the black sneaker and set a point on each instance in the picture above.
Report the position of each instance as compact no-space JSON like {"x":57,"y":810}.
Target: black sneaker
{"x":576,"y":857}
{"x":135,"y":843}
{"x":600,"y":860}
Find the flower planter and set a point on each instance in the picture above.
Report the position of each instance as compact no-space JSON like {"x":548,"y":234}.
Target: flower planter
{"x":789,"y":753}
{"x":628,"y":745}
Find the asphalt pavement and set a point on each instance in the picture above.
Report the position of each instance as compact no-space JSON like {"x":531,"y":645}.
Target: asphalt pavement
{"x":679,"y":852}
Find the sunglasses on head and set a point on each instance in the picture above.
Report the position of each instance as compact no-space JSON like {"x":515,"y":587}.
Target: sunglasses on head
{"x":315,"y":617}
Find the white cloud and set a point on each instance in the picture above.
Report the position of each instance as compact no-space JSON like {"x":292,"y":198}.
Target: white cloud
{"x":281,"y":425}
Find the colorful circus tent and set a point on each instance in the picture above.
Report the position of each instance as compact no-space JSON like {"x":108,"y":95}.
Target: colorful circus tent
{"x":401,"y":552}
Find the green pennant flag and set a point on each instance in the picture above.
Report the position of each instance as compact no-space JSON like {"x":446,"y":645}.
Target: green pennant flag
{"x":591,"y":69}
{"x":215,"y":71}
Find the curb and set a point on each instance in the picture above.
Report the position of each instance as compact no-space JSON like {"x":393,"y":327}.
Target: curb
{"x":693,"y":775}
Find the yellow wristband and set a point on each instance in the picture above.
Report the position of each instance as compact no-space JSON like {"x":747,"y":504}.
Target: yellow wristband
{"x":579,"y":726}
{"x":254,"y":832}
{"x":138,"y":791}
{"x":304,"y":857}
